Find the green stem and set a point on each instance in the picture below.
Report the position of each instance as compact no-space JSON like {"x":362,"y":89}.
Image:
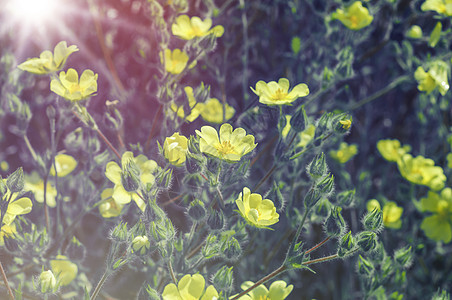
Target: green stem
{"x":321,"y":259}
{"x":5,"y":280}
{"x":269,"y":173}
{"x":30,"y":148}
{"x":170,"y":268}
{"x":381,"y":92}
{"x":100,"y":284}
{"x":319,"y":244}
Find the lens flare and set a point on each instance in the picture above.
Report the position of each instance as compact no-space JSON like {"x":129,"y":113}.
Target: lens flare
{"x":31,"y":11}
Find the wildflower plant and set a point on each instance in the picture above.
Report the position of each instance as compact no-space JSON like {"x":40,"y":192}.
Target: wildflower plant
{"x":154,"y":107}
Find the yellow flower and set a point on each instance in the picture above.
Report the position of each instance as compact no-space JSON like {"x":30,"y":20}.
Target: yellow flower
{"x":109,"y":207}
{"x":15,"y":206}
{"x":257,"y":212}
{"x":48,"y":62}
{"x":141,"y":244}
{"x":443,"y":7}
{"x":346,"y":124}
{"x":421,"y":170}
{"x":277,"y":93}
{"x":65,"y":164}
{"x":190,"y":287}
{"x":278,"y":290}
{"x":35,"y":184}
{"x":175,"y":149}
{"x":146,"y":168}
{"x":439,"y":225}
{"x":187,"y":28}
{"x":229,"y":145}
{"x":8,"y":231}
{"x":415,"y":32}
{"x":344,"y":153}
{"x":354,"y":17}
{"x":64,"y":269}
{"x":305,"y":136}
{"x":175,"y":61}
{"x":391,"y":150}
{"x":195,"y":107}
{"x":391,"y":213}
{"x":213,"y":112}
{"x":71,"y":88}
{"x":436,"y":77}
{"x":48,"y":282}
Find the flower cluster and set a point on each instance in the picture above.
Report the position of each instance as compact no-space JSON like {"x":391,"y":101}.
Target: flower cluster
{"x":434,"y":78}
{"x":354,"y":17}
{"x":190,"y":287}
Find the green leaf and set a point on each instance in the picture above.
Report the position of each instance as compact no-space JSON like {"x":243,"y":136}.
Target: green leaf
{"x":296,"y":45}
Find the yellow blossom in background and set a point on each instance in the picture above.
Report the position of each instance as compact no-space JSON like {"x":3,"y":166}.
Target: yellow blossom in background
{"x":257,"y":212}
{"x":228,"y":145}
{"x":415,"y":32}
{"x":277,"y":93}
{"x":69,"y":86}
{"x":65,"y":164}
{"x":279,"y":290}
{"x":305,"y":137}
{"x":175,"y":61}
{"x":344,"y":153}
{"x":7,"y":232}
{"x":109,"y":207}
{"x":421,"y":170}
{"x":391,"y":213}
{"x":438,"y":226}
{"x":48,"y":282}
{"x":195,"y":107}
{"x":212,"y":111}
{"x":64,"y":270}
{"x":392,"y":150}
{"x":190,"y":287}
{"x":35,"y":184}
{"x":443,"y":7}
{"x":354,"y":17}
{"x":16,"y":207}
{"x":436,"y":77}
{"x":187,"y":28}
{"x":146,"y":168}
{"x":175,"y":149}
{"x":449,"y":160}
{"x":48,"y":62}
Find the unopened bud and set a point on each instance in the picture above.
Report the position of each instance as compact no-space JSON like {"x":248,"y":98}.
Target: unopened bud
{"x":211,"y":247}
{"x":346,"y":198}
{"x":141,"y":245}
{"x":197,"y":210}
{"x":152,"y":294}
{"x":192,"y":164}
{"x":403,"y":257}
{"x":3,"y":188}
{"x":215,"y":220}
{"x":15,"y":182}
{"x":223,"y":279}
{"x":318,"y":167}
{"x":326,"y":185}
{"x":130,"y":176}
{"x":373,"y":221}
{"x":312,"y":197}
{"x":119,"y":233}
{"x":335,"y":224}
{"x":233,"y":249}
{"x":347,"y":243}
{"x":48,"y":282}
{"x":365,"y":267}
{"x":342,"y":123}
{"x":213,"y":165}
{"x":367,"y":241}
{"x":299,"y":120}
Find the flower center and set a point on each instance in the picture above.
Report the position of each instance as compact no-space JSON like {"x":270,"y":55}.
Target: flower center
{"x":354,"y":21}
{"x":225,"y":147}
{"x":443,"y":209}
{"x":197,"y":31}
{"x":279,"y":95}
{"x":74,"y":88}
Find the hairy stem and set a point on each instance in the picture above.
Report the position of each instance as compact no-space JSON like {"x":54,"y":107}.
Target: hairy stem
{"x":5,"y":280}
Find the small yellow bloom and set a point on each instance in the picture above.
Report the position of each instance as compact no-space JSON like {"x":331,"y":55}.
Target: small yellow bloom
{"x":346,"y":124}
{"x":68,"y":85}
{"x":415,"y":32}
{"x":391,"y":213}
{"x":175,"y":149}
{"x":354,"y":17}
{"x":228,"y":145}
{"x":35,"y":184}
{"x":277,"y":93}
{"x":109,"y":207}
{"x":65,"y":164}
{"x":15,"y":207}
{"x":190,"y":287}
{"x":48,"y":62}
{"x":257,"y":212}
{"x":64,"y":269}
{"x":175,"y":61}
{"x":436,"y":77}
{"x":421,"y":170}
{"x":146,"y":168}
{"x":438,"y":226}
{"x":392,"y":150}
{"x":443,"y":7}
{"x":8,"y":232}
{"x":213,"y":112}
{"x":195,"y":107}
{"x":278,"y":290}
{"x":187,"y":28}
{"x":141,"y":244}
{"x":344,"y":153}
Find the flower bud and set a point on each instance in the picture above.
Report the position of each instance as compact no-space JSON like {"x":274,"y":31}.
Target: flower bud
{"x":152,"y":294}
{"x":233,"y":249}
{"x":65,"y":270}
{"x":342,"y":123}
{"x":175,"y":149}
{"x":324,"y":122}
{"x":347,"y":243}
{"x":130,"y":176}
{"x":15,"y":182}
{"x":120,"y":233}
{"x":318,"y":167}
{"x":192,"y":164}
{"x":403,"y":257}
{"x":48,"y":282}
{"x":3,"y":188}
{"x":367,"y":241}
{"x":210,"y":248}
{"x":415,"y":32}
{"x":299,"y":120}
{"x":223,"y":279}
{"x":141,"y":245}
{"x":312,"y":197}
{"x":373,"y":221}
{"x":197,"y":210}
{"x":365,"y":267}
{"x":335,"y":224}
{"x":215,"y":220}
{"x":213,"y":165}
{"x":346,"y":198}
{"x":326,"y":185}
